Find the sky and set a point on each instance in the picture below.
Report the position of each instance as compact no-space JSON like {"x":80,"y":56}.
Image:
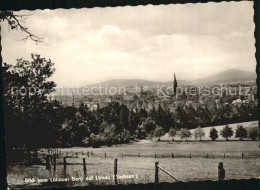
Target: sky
{"x":143,"y":42}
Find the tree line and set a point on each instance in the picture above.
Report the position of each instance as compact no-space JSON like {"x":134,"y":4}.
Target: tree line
{"x":226,"y":132}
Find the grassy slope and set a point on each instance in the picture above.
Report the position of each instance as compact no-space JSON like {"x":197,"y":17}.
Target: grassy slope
{"x":179,"y":146}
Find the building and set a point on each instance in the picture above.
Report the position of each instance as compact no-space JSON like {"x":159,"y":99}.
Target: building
{"x":237,"y":101}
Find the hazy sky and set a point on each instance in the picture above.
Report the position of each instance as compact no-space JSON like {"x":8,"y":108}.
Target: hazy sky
{"x":143,"y":42}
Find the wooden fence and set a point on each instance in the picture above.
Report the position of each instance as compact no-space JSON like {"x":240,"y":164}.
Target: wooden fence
{"x":189,"y":155}
{"x":73,"y":154}
{"x":51,"y":164}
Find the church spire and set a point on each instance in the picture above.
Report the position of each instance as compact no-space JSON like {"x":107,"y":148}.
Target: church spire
{"x":175,"y":85}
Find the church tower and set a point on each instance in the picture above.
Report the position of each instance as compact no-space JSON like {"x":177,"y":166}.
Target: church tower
{"x":175,"y":85}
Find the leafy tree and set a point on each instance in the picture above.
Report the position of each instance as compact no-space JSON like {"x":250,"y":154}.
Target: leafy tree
{"x":133,"y":122}
{"x":153,"y":114}
{"x":185,"y":133}
{"x":253,"y":133}
{"x":172,"y":133}
{"x":125,"y":135}
{"x":198,"y":133}
{"x":158,"y":132}
{"x":27,"y":86}
{"x":213,"y":134}
{"x":110,"y":134}
{"x":226,"y":132}
{"x":149,"y":126}
{"x":241,"y":132}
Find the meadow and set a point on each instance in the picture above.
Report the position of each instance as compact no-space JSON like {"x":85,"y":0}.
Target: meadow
{"x":192,"y":161}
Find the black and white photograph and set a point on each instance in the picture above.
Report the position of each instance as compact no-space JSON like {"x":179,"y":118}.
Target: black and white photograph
{"x":130,"y":95}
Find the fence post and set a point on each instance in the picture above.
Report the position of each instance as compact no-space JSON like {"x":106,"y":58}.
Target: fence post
{"x":54,"y":163}
{"x":105,"y":155}
{"x":77,"y":154}
{"x":221,"y":171}
{"x":242,"y":155}
{"x":190,"y":155}
{"x":207,"y":155}
{"x":30,"y":157}
{"x":35,"y":155}
{"x":155,"y":155}
{"x":115,"y":170}
{"x":82,"y":152}
{"x":172,"y":155}
{"x":48,"y":164}
{"x":88,"y":154}
{"x":156,"y":173}
{"x":84,"y":167}
{"x":64,"y":165}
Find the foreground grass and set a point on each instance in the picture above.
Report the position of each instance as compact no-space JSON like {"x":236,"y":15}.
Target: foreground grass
{"x":184,"y":169}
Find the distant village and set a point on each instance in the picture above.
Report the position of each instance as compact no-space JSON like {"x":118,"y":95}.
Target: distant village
{"x":149,"y":98}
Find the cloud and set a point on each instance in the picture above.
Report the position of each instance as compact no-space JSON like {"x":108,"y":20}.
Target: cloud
{"x":145,"y":42}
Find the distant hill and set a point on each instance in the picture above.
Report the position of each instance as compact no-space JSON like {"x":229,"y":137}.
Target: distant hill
{"x":229,"y":76}
{"x":133,"y":82}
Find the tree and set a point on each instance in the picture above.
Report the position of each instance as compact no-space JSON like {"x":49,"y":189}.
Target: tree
{"x":26,"y":88}
{"x":125,"y":135}
{"x":253,"y":132}
{"x":213,"y":134}
{"x":158,"y":132}
{"x":110,"y":134}
{"x":198,"y":133}
{"x":226,"y":132}
{"x":172,"y":133}
{"x":149,"y":126}
{"x":185,"y":133}
{"x":241,"y":132}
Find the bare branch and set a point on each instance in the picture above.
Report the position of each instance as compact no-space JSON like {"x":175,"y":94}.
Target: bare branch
{"x":15,"y":21}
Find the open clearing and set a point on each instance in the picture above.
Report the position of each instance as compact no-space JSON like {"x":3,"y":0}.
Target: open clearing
{"x":184,"y":168}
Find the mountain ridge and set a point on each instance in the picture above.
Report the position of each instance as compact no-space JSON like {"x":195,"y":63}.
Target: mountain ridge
{"x":231,"y":75}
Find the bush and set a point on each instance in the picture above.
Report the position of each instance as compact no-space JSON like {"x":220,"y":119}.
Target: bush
{"x":226,"y":132}
{"x":253,"y":132}
{"x":241,"y":132}
{"x":213,"y":134}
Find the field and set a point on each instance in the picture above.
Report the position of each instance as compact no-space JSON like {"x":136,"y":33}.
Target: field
{"x":193,"y":160}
